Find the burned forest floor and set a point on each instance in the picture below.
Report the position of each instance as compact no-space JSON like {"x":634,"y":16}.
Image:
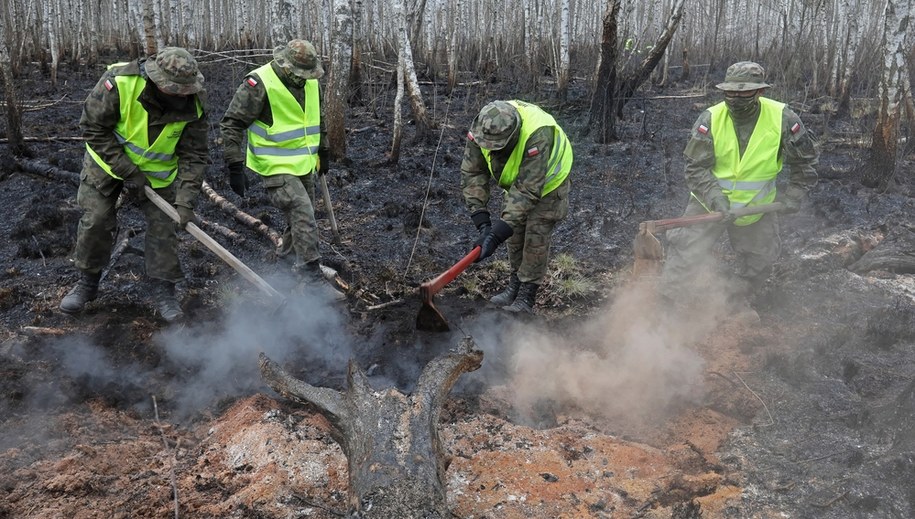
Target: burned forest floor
{"x":604,"y":404}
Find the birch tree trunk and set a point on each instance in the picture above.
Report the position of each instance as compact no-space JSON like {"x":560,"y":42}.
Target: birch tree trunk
{"x":410,"y":83}
{"x":456,"y":20}
{"x":338,"y":80}
{"x":50,"y":15}
{"x":13,"y":116}
{"x":149,"y":28}
{"x":882,"y":165}
{"x":855,"y":32}
{"x":398,"y":112}
{"x":355,"y":70}
{"x":562,"y":78}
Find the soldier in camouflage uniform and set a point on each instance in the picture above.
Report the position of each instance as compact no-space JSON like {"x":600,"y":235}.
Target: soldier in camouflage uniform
{"x":277,"y":108}
{"x":144,"y":124}
{"x":735,"y":151}
{"x":525,"y":151}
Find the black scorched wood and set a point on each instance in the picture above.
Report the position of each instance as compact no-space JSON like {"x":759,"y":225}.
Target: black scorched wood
{"x":395,"y":456}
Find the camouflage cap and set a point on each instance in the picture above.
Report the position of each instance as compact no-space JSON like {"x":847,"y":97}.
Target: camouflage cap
{"x":742,"y":76}
{"x":175,"y":71}
{"x":495,"y":125}
{"x":299,"y":58}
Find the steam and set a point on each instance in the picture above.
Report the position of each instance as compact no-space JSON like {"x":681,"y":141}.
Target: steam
{"x":308,"y":329}
{"x":633,"y":360}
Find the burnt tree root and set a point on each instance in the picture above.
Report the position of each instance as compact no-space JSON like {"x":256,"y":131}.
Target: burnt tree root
{"x":394,"y":454}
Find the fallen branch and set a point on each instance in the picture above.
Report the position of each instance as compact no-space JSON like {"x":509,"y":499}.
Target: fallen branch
{"x":384,"y":305}
{"x":771,"y":420}
{"x":46,"y":170}
{"x":239,"y":215}
{"x":119,"y":248}
{"x":222,"y":230}
{"x":46,"y":139}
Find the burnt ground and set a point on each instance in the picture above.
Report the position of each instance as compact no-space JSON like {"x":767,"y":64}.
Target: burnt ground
{"x":604,"y":405}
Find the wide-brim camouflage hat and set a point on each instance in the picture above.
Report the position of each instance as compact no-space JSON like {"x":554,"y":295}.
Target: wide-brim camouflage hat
{"x":495,"y":125}
{"x":742,"y":76}
{"x":299,"y":58}
{"x":175,"y":72}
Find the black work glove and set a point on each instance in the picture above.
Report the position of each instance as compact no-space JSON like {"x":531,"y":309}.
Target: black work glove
{"x":323,"y":162}
{"x":723,"y":206}
{"x":185,"y":216}
{"x":483,"y":224}
{"x":791,"y":204}
{"x":135,"y":182}
{"x":498,"y":233}
{"x":238,"y":180}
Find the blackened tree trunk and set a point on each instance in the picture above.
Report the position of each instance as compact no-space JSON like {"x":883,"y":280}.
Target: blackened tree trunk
{"x":394,"y":454}
{"x":13,"y":115}
{"x":603,"y":116}
{"x":628,"y":85}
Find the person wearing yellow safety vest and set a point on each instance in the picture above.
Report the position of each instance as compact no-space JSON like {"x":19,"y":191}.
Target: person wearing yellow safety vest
{"x":735,"y":152}
{"x":144,"y":124}
{"x":527,"y":154}
{"x":277,"y":109}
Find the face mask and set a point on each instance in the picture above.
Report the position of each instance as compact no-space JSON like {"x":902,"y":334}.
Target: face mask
{"x":741,"y":107}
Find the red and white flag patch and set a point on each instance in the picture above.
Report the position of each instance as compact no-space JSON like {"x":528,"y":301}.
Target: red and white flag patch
{"x":251,"y":81}
{"x":533,"y":152}
{"x":703,"y":129}
{"x":796,"y":128}
{"x":470,"y":136}
{"x":109,"y":85}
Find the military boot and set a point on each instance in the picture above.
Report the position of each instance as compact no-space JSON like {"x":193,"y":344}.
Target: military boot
{"x":507,"y":296}
{"x":166,"y":302}
{"x":524,"y":301}
{"x":312,"y":275}
{"x":86,"y":290}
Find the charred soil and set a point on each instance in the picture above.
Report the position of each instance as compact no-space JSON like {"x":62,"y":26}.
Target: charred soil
{"x":603,"y":405}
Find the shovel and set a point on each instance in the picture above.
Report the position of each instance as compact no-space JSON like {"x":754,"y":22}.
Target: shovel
{"x":429,"y":318}
{"x":214,"y":246}
{"x":647,"y":248}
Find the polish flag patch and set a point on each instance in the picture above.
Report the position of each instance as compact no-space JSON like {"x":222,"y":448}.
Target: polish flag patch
{"x":470,"y":137}
{"x":533,"y":152}
{"x":109,"y":85}
{"x":703,"y":129}
{"x":251,"y":82}
{"x":796,"y":128}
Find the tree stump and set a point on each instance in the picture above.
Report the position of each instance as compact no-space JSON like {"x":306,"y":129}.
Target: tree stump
{"x":395,"y":457}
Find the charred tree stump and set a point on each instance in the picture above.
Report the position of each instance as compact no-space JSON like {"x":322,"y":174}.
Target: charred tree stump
{"x":894,"y":254}
{"x":394,"y":454}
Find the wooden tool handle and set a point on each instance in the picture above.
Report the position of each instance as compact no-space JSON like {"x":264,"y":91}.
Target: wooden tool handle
{"x":330,"y":209}
{"x":432,"y":287}
{"x":683,"y":221}
{"x":213,"y":245}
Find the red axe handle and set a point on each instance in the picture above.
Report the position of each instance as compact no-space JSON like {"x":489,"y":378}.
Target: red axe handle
{"x":432,"y":287}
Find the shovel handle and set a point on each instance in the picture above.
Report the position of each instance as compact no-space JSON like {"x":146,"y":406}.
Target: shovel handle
{"x":683,"y":221}
{"x":214,"y":246}
{"x":330,"y":208}
{"x":432,"y":287}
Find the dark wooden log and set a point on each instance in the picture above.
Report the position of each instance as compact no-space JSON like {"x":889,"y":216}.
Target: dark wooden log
{"x":896,"y":253}
{"x":395,"y":457}
{"x":38,"y":167}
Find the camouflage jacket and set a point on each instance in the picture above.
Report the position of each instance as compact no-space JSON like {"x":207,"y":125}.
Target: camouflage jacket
{"x":798,"y":149}
{"x":524,"y":193}
{"x":251,"y":103}
{"x":101,"y":113}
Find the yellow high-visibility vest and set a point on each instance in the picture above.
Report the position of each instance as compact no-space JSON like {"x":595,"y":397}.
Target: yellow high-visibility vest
{"x":290,"y":144}
{"x":560,"y":163}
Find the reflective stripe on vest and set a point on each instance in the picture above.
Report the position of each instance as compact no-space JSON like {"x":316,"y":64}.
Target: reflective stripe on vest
{"x":560,"y":162}
{"x":748,"y":180}
{"x":157,"y":161}
{"x":290,"y":145}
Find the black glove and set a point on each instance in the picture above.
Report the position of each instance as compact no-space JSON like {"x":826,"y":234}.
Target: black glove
{"x":135,"y":182}
{"x":238,"y":180}
{"x":791,"y":204}
{"x":481,"y":219}
{"x":498,"y":233}
{"x":723,"y":206}
{"x":323,"y":162}
{"x":185,"y":216}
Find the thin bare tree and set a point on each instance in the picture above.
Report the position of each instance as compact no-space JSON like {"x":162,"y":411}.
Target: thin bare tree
{"x":603,"y":114}
{"x":13,"y":116}
{"x":338,"y":77}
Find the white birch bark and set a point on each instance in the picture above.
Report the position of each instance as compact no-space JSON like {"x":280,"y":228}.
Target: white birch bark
{"x":563,"y":66}
{"x":338,"y":79}
{"x":50,"y":17}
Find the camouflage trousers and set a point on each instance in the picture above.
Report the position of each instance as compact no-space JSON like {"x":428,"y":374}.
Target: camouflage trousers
{"x":529,"y":246}
{"x":689,"y":251}
{"x":293,"y":195}
{"x":97,"y":196}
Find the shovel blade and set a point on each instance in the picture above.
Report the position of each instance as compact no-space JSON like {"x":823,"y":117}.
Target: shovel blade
{"x":429,"y":319}
{"x":648,"y":255}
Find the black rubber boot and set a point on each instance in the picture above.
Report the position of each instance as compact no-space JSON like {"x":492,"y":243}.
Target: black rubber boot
{"x":312,"y":275}
{"x":524,"y":302}
{"x":166,"y":302}
{"x":507,"y":296}
{"x":86,"y":290}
